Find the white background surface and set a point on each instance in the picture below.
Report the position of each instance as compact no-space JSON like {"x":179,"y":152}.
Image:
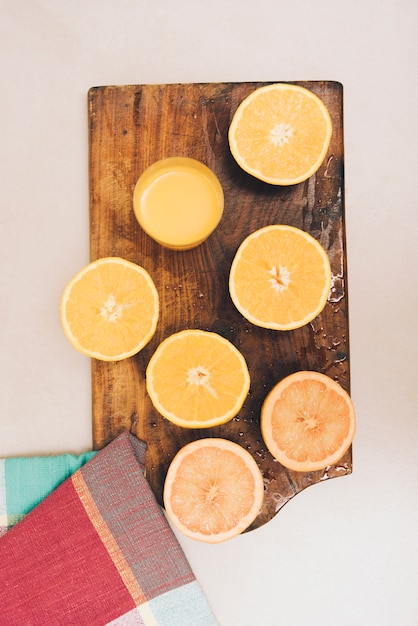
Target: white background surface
{"x":344,"y":552}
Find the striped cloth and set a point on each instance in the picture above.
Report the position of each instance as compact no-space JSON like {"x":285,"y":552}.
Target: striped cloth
{"x":97,"y":551}
{"x":25,"y":482}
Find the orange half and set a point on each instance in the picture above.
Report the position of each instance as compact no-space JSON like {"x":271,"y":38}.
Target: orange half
{"x":109,"y":310}
{"x":280,"y":277}
{"x":280,"y":133}
{"x":197,"y":379}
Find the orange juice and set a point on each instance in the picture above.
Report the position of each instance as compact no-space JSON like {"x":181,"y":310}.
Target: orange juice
{"x":178,"y":202}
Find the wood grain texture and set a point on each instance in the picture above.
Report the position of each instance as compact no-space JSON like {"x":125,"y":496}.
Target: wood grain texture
{"x":132,"y":126}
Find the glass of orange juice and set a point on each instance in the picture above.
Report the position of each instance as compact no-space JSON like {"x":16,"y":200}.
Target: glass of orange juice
{"x":178,"y":201}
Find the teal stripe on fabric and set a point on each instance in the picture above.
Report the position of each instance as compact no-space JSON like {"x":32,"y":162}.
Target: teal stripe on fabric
{"x":3,"y":506}
{"x":29,"y":480}
{"x":184,"y":606}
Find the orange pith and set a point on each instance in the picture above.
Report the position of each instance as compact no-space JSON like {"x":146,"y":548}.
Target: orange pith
{"x":109,"y":310}
{"x":213,"y":490}
{"x":280,"y":277}
{"x":308,"y":421}
{"x":197,"y":379}
{"x":280,"y":133}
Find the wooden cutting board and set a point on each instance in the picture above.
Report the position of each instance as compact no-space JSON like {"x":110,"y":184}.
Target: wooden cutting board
{"x":132,"y":126}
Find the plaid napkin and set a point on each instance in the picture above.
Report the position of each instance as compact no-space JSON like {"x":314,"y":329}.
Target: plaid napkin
{"x":25,"y":482}
{"x":96,"y":551}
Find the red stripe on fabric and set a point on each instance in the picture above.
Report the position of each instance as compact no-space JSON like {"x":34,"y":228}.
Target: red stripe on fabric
{"x":54,"y":568}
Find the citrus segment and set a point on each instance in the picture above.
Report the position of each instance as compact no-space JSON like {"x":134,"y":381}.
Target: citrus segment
{"x":197,"y":379}
{"x":110,"y":309}
{"x":280,"y":133}
{"x":213,"y":490}
{"x":280,"y":277}
{"x":308,"y":421}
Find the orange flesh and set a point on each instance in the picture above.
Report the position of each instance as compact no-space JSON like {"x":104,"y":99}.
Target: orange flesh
{"x":304,"y":129}
{"x":280,"y":133}
{"x":110,"y":309}
{"x":197,"y":379}
{"x":280,"y":278}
